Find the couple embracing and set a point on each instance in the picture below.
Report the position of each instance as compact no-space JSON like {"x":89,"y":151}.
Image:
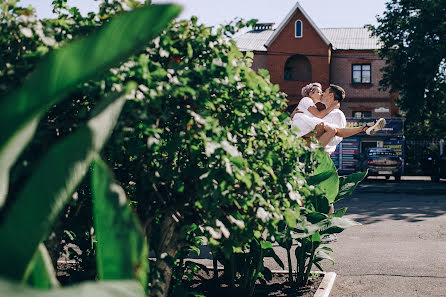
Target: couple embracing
{"x":327,"y":125}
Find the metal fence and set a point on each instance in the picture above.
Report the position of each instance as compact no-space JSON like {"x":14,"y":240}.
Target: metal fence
{"x":415,"y":152}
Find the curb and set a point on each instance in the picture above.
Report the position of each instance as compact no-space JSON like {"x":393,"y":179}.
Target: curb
{"x":326,"y":285}
{"x":401,"y":190}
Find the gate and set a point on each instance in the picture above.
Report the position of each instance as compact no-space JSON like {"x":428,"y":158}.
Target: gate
{"x":415,"y":152}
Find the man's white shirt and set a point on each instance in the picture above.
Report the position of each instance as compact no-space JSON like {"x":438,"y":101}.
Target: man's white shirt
{"x":336,"y":119}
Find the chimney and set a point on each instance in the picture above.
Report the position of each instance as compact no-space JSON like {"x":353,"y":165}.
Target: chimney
{"x":263,"y":26}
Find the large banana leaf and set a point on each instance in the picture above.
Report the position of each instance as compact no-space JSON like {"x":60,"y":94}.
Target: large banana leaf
{"x":121,"y":251}
{"x":125,"y":288}
{"x":40,"y":273}
{"x":348,"y":183}
{"x":336,"y":225}
{"x":46,"y":192}
{"x":328,"y":225}
{"x":62,"y":70}
{"x":325,"y":175}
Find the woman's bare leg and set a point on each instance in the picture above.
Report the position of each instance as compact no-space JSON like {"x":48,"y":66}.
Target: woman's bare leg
{"x":323,"y":134}
{"x":331,"y":210}
{"x":325,"y":138}
{"x":347,"y":132}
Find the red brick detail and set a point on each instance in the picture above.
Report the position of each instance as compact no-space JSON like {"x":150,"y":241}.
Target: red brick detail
{"x":310,"y":45}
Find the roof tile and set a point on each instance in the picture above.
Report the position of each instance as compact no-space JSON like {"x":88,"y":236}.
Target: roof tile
{"x":340,"y":38}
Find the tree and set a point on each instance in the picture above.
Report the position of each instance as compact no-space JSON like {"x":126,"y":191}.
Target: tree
{"x":412,"y":34}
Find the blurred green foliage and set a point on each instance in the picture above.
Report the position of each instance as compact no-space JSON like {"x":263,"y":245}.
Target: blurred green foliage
{"x":201,"y":148}
{"x":412,"y":36}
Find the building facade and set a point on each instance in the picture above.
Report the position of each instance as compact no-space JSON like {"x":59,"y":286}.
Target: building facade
{"x":298,"y":52}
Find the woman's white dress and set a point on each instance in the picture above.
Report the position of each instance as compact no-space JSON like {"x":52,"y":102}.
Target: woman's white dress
{"x":305,"y":121}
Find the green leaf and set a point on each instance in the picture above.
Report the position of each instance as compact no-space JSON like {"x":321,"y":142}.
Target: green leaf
{"x":321,"y":255}
{"x":325,"y":176}
{"x":271,"y":253}
{"x":40,"y":272}
{"x":321,"y":204}
{"x":62,"y":70}
{"x":316,"y":237}
{"x":318,"y":265}
{"x":190,"y":51}
{"x":264,"y":73}
{"x":266,"y":245}
{"x":308,"y":226}
{"x":10,"y":152}
{"x":348,"y":183}
{"x":339,"y":213}
{"x":122,"y":251}
{"x":270,"y":171}
{"x":317,"y":179}
{"x":195,"y":249}
{"x":238,"y":161}
{"x":315,"y":217}
{"x":87,"y":289}
{"x":44,"y":195}
{"x":336,"y":225}
{"x":267,"y":274}
{"x":290,"y":217}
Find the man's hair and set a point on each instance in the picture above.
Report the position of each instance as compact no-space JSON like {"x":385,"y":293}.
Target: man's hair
{"x":339,"y":93}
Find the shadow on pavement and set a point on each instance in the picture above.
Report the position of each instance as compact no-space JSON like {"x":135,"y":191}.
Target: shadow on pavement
{"x":411,"y":205}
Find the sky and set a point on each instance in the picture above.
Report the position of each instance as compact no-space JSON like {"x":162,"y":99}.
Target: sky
{"x":325,"y":13}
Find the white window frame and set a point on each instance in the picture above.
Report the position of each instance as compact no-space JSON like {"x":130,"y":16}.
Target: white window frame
{"x":301,"y":29}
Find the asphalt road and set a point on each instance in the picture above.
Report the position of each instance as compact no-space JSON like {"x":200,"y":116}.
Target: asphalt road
{"x":400,"y":250}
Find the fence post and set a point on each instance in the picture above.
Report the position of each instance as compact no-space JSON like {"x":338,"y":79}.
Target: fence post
{"x":441,"y":146}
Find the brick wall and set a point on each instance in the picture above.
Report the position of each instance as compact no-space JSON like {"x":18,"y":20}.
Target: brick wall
{"x":328,"y":66}
{"x":259,"y":61}
{"x":310,"y":45}
{"x":361,"y":97}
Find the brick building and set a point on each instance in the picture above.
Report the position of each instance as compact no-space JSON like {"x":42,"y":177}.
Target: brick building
{"x":297,"y":52}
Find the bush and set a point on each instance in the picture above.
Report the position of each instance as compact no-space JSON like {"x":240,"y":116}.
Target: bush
{"x":29,"y":212}
{"x":202,"y":150}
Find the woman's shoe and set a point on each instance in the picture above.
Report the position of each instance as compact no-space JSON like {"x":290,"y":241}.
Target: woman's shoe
{"x":372,"y":128}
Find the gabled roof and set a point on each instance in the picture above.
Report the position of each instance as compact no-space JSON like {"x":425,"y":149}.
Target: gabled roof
{"x":253,"y":40}
{"x":287,"y":19}
{"x":340,"y":38}
{"x":352,"y":38}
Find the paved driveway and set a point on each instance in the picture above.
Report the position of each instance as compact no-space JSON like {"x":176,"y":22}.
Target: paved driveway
{"x":401,"y":248}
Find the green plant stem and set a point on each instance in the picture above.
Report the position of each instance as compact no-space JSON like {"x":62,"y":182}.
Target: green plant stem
{"x":214,"y":262}
{"x":253,"y":276}
{"x":301,"y":263}
{"x":310,"y":262}
{"x":290,"y":267}
{"x":233,"y":272}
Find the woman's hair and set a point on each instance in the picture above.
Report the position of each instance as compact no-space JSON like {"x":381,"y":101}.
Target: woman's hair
{"x":310,"y":88}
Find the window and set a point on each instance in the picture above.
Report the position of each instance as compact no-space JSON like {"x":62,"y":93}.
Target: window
{"x":298,"y":27}
{"x":298,"y":67}
{"x":361,"y":73}
{"x":362,"y":114}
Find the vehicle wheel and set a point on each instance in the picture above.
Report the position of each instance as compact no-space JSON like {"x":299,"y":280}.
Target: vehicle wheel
{"x":435,"y":178}
{"x":398,"y":177}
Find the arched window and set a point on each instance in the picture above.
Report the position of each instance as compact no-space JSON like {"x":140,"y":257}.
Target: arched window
{"x":298,"y":27}
{"x":297,"y":67}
